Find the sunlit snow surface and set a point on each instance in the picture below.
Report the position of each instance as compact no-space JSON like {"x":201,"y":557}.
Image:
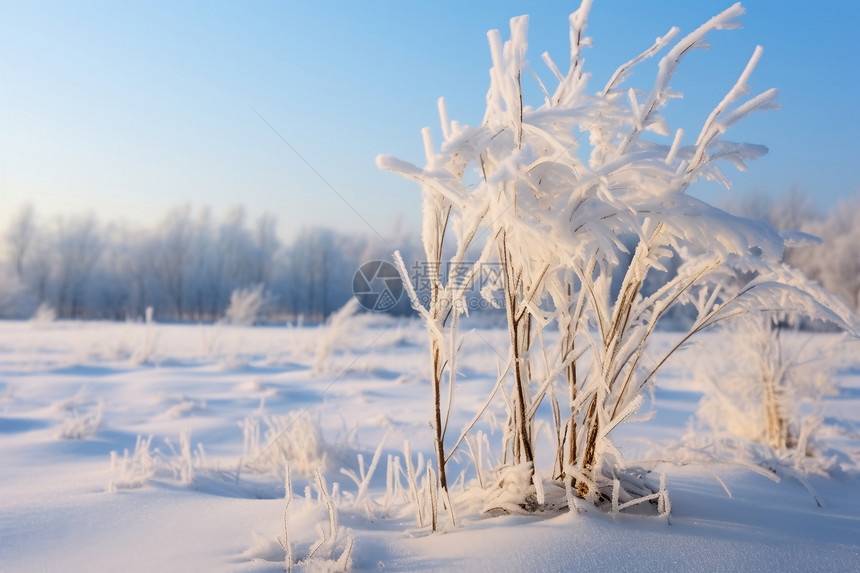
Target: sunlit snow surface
{"x":72,"y":393}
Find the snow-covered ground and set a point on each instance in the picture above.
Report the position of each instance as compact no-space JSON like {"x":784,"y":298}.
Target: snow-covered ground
{"x":151,"y":447}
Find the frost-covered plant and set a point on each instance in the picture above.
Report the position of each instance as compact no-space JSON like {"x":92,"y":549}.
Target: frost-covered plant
{"x":185,"y":461}
{"x":133,"y":470}
{"x":284,"y":541}
{"x":338,"y":335}
{"x":83,"y":415}
{"x":44,"y":315}
{"x":332,"y":551}
{"x":417,"y":497}
{"x":79,"y":426}
{"x":448,"y":277}
{"x":766,"y":389}
{"x":147,"y":344}
{"x":322,"y":552}
{"x":247,"y":305}
{"x":762,"y":382}
{"x":363,"y":477}
{"x":587,"y":234}
{"x":295,"y":438}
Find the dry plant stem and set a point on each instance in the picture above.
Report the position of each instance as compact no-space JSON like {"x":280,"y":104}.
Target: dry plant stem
{"x":434,"y":507}
{"x":413,"y":483}
{"x":570,"y":431}
{"x":571,"y":316}
{"x":518,"y":326}
{"x":773,"y":420}
{"x":524,"y":451}
{"x":593,"y":424}
{"x":437,"y":412}
{"x":772,"y":375}
{"x":288,"y":497}
{"x":434,"y":258}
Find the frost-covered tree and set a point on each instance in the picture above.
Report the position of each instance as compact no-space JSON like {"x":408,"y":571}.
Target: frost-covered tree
{"x":109,"y":289}
{"x":186,"y":267}
{"x":833,"y":259}
{"x":584,"y":197}
{"x":20,"y":238}
{"x":267,"y":244}
{"x":316,"y":278}
{"x":15,"y":301}
{"x":237,"y":251}
{"x":20,"y":235}
{"x":173,"y":247}
{"x":842,"y":243}
{"x":78,"y":247}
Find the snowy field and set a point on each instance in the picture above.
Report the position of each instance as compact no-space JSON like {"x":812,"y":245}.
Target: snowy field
{"x":152,"y":447}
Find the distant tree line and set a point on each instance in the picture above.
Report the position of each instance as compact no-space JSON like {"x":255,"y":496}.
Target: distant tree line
{"x":185,"y":268}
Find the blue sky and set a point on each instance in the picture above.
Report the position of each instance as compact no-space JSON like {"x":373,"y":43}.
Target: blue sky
{"x":128,"y":109}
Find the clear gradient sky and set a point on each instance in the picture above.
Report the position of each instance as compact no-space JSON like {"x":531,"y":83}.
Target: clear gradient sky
{"x":126,"y":109}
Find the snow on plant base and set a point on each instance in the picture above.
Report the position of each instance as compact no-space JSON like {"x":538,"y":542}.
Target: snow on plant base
{"x":589,"y":220}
